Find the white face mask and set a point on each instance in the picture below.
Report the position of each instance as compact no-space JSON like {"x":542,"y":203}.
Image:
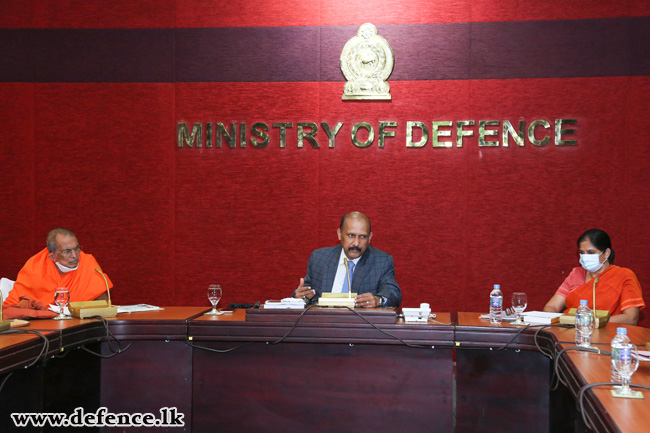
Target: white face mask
{"x":65,"y":269}
{"x":591,"y":262}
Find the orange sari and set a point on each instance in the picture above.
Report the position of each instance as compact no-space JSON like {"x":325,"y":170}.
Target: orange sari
{"x":40,"y":277}
{"x":617,"y":289}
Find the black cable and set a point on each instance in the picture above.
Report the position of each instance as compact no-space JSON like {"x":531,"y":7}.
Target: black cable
{"x":588,"y":387}
{"x":557,"y":362}
{"x":46,"y":343}
{"x":109,"y":338}
{"x":295,"y":324}
{"x":209,"y":349}
{"x":514,"y":337}
{"x":113,"y":354}
{"x":414,"y":346}
{"x":544,"y":352}
{"x":4,"y":381}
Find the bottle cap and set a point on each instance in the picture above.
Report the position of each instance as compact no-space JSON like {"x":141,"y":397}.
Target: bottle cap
{"x":621,"y":330}
{"x":497,"y":286}
{"x":583,"y":302}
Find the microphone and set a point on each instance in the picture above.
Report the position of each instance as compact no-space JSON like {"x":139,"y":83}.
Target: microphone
{"x":347,"y":271}
{"x":86,"y":309}
{"x":108,"y":291}
{"x":594,"y":292}
{"x":601,"y":319}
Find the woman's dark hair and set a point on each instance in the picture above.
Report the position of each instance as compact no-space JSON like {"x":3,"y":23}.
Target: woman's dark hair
{"x":600,"y":240}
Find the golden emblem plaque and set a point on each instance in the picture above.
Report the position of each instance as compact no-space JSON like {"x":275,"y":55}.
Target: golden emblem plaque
{"x":366,"y":62}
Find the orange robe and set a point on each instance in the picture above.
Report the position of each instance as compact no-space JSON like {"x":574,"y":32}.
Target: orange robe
{"x":617,"y":289}
{"x":40,"y":277}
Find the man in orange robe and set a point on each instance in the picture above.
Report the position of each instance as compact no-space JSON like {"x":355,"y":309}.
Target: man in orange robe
{"x":61,"y":264}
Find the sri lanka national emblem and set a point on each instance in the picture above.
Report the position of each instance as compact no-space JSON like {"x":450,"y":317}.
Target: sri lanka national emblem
{"x":366,"y":62}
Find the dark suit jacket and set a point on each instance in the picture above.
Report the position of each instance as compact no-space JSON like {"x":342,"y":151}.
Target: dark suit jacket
{"x":374,"y":273}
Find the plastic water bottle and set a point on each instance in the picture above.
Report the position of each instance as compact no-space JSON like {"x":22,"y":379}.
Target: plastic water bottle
{"x":584,"y":324}
{"x":496,"y":304}
{"x":619,"y":340}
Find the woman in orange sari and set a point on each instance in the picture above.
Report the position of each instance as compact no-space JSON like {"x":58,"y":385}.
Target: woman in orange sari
{"x":617,"y":289}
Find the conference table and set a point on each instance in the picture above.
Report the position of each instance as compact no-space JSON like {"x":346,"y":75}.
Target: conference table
{"x":316,"y":369}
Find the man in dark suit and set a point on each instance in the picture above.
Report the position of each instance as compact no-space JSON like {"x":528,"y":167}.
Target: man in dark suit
{"x":372,"y":272}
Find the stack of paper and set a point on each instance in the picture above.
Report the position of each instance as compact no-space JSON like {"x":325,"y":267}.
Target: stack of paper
{"x":542,"y":317}
{"x":136,"y":308}
{"x":292,"y":303}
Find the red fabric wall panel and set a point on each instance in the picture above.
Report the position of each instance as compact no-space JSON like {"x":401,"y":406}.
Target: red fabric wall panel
{"x":17,"y":185}
{"x":254,"y":13}
{"x":104,"y":168}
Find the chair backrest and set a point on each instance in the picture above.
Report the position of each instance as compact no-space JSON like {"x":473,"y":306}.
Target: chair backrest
{"x":6,"y":285}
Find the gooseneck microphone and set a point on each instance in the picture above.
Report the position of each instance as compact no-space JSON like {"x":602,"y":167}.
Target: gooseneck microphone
{"x":108,"y":291}
{"x":594,"y":292}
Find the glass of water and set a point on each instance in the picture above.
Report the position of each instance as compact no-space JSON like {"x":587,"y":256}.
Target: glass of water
{"x":519,"y":304}
{"x":61,"y":298}
{"x":626,"y":364}
{"x":214,"y":296}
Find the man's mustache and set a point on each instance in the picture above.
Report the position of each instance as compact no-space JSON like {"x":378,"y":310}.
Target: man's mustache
{"x":354,"y":249}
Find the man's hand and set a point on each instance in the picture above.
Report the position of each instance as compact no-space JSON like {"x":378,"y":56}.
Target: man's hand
{"x":367,"y":300}
{"x":304,"y":292}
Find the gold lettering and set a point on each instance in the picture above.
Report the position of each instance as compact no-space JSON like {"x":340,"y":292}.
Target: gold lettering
{"x":383,"y":133}
{"x":531,"y":132}
{"x":482,"y":132}
{"x":184,"y":137}
{"x":436,"y":132}
{"x":283,"y":132}
{"x":208,"y":134}
{"x":242,"y":134}
{"x":371,"y":134}
{"x":255,"y":130}
{"x":417,"y":133}
{"x":508,"y":129}
{"x":559,"y":131}
{"x":409,"y":134}
{"x":460,"y":133}
{"x":230,"y":138}
{"x":308,"y":135}
{"x":331,"y":134}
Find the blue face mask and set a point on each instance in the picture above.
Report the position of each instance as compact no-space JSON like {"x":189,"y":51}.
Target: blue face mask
{"x":591,"y":262}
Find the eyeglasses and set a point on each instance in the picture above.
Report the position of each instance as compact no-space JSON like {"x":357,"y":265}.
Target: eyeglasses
{"x":69,"y":251}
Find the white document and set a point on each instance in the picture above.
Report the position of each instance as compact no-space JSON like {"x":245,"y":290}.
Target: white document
{"x":541,"y":316}
{"x":136,"y":308}
{"x":291,"y":303}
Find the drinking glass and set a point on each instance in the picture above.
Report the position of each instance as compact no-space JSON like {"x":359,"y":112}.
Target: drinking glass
{"x":626,"y":365}
{"x":61,"y":298}
{"x":519,"y":304}
{"x":214,"y":295}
